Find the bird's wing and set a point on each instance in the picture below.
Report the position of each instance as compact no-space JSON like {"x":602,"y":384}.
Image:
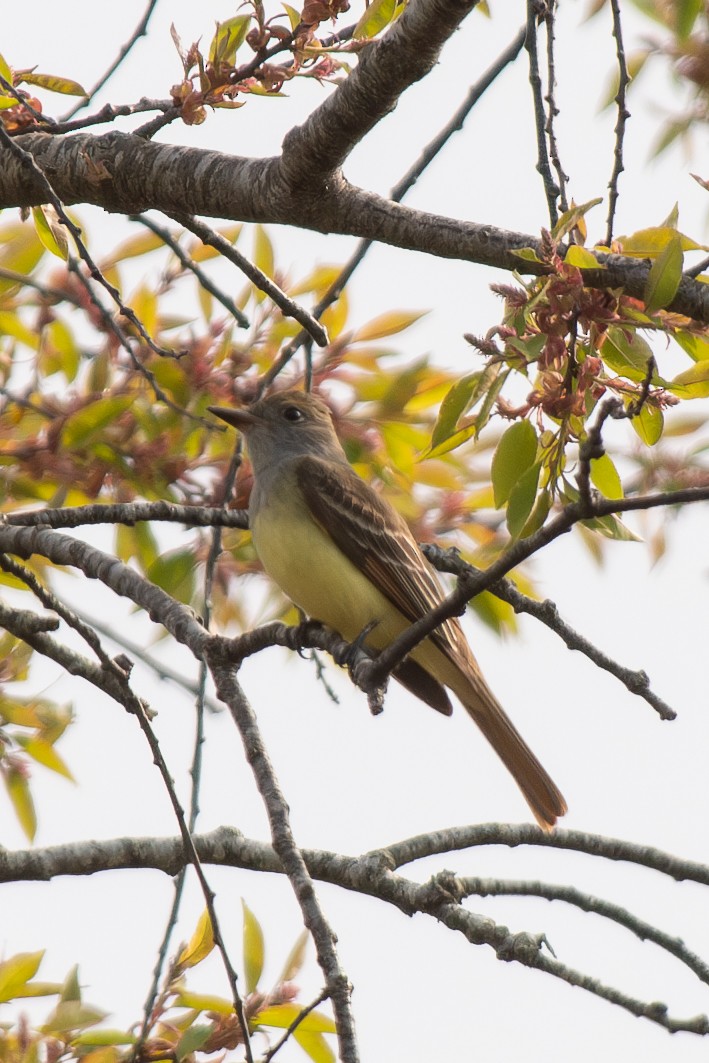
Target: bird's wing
{"x":377,"y":540}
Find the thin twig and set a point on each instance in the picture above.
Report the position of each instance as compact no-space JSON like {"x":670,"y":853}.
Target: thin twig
{"x":287,"y":306}
{"x":139,"y":31}
{"x":551,"y":189}
{"x":187,"y":263}
{"x":396,"y":194}
{"x":561,"y":176}
{"x":621,"y":120}
{"x":285,"y":846}
{"x":268,"y":1056}
{"x":588,"y":903}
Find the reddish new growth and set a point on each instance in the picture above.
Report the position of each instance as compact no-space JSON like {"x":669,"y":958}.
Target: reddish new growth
{"x":573,"y":322}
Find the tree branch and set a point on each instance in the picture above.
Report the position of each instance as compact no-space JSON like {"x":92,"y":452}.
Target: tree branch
{"x":372,"y":875}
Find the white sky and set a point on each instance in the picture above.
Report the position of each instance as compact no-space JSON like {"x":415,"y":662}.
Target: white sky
{"x":352,"y":782}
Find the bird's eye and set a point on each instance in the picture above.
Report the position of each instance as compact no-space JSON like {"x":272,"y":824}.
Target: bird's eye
{"x":292,"y":413}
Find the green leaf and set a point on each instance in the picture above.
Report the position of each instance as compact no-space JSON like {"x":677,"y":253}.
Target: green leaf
{"x":456,"y":440}
{"x":627,"y":354}
{"x":571,"y":217}
{"x":649,"y":424}
{"x":538,"y":515}
{"x":21,"y":798}
{"x":5,"y":70}
{"x":200,"y":944}
{"x":227,"y":40}
{"x":375,"y":18}
{"x":604,"y":476}
{"x":72,"y":1015}
{"x":175,"y":573}
{"x":453,"y":406}
{"x":16,"y":972}
{"x":514,"y":455}
{"x":664,"y":277}
{"x":253,"y":949}
{"x":692,"y":383}
{"x":51,"y":231}
{"x":293,"y":16}
{"x":522,"y":499}
{"x":192,"y":1040}
{"x":81,"y":426}
{"x":105,"y":1037}
{"x":697,"y":347}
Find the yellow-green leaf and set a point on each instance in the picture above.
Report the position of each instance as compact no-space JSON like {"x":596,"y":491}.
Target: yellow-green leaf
{"x":175,"y":573}
{"x":456,"y":440}
{"x":203,"y":1002}
{"x":263,"y":251}
{"x":72,"y":1015}
{"x":296,"y":958}
{"x":604,"y":476}
{"x":44,"y":753}
{"x":665,"y":275}
{"x":693,"y":383}
{"x":293,"y":16}
{"x":627,"y":354}
{"x":192,"y":1040}
{"x":104,"y":1037}
{"x":282,"y":1015}
{"x":17,"y":971}
{"x":51,"y":231}
{"x":387,"y":324}
{"x":55,"y":84}
{"x":648,"y":243}
{"x":200,"y":944}
{"x":521,"y":501}
{"x":514,"y":455}
{"x":92,"y":419}
{"x":378,"y":15}
{"x":649,"y":424}
{"x":315,"y":1045}
{"x":21,"y":798}
{"x":574,"y":218}
{"x":582,"y":258}
{"x":228,"y":39}
{"x":253,"y":949}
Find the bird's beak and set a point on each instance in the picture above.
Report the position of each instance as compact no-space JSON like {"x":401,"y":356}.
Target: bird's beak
{"x":237,"y":418}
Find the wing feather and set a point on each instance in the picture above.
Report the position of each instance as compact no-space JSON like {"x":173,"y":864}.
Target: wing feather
{"x":377,"y":540}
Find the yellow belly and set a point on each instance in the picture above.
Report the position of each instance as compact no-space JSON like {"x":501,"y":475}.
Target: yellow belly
{"x":316,"y":575}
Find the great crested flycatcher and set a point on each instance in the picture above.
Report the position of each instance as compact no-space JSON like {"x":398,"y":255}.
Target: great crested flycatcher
{"x":346,"y":557}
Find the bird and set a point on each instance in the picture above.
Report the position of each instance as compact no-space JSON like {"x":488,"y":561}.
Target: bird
{"x":340,"y":551}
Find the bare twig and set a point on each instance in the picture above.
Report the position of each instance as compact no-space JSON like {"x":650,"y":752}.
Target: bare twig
{"x":287,"y":306}
{"x":553,"y":111}
{"x":139,"y":31}
{"x":187,"y":263}
{"x":623,"y":116}
{"x":551,"y":189}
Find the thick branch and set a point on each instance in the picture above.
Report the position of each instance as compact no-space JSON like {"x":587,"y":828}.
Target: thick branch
{"x":129,"y":175}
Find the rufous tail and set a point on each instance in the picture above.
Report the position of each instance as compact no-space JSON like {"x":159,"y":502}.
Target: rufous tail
{"x":542,"y":794}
